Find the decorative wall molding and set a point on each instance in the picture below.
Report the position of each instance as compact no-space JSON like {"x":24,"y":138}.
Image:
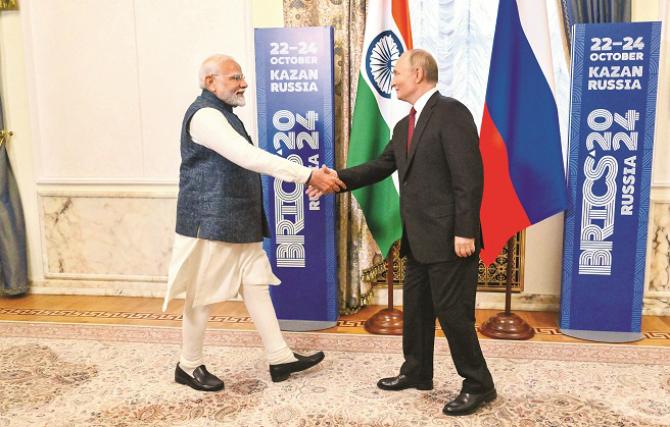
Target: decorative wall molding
{"x":102,"y":193}
{"x":106,"y":277}
{"x":660,"y":184}
{"x":104,"y":181}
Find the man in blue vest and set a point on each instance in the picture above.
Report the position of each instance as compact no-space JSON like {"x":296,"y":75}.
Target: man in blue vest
{"x":218,"y":253}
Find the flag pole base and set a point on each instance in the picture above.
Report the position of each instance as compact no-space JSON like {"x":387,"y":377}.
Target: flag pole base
{"x":507,"y":326}
{"x":385,"y":322}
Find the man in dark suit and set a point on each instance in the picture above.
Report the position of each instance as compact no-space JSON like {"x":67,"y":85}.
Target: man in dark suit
{"x":435,"y":150}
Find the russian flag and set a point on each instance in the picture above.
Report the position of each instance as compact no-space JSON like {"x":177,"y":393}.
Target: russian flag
{"x":520,"y":142}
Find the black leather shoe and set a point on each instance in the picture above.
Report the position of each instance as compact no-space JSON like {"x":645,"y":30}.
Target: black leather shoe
{"x":201,"y":379}
{"x":467,"y":403}
{"x":281,"y":371}
{"x":402,"y":382}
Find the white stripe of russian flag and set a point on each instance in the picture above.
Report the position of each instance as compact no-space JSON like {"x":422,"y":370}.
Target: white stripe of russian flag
{"x":535,"y":24}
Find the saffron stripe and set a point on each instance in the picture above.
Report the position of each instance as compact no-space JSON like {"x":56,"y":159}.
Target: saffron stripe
{"x":400,"y":12}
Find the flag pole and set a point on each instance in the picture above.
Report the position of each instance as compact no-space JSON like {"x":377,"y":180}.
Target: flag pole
{"x":387,"y":321}
{"x":507,"y":325}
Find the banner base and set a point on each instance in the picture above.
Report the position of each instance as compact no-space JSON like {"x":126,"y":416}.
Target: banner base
{"x":604,"y":336}
{"x":305,"y":325}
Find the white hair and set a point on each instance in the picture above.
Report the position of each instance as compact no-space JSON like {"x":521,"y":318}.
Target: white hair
{"x":211,"y":66}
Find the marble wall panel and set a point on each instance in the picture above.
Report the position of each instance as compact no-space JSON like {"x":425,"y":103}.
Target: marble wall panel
{"x":112,"y":243}
{"x":107,"y":237}
{"x":659,"y":236}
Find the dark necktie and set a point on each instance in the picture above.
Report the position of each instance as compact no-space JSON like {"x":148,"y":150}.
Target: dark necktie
{"x":410,"y":128}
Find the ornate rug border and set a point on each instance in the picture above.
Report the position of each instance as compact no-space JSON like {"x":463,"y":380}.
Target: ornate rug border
{"x":583,"y":351}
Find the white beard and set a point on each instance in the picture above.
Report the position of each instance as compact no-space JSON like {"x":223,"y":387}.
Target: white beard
{"x":235,"y":100}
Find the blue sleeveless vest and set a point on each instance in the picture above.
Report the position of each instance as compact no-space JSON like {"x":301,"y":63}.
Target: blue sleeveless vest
{"x":218,"y":200}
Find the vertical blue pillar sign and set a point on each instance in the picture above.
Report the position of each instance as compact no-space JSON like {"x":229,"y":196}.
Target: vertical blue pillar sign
{"x":612,"y":113}
{"x":294,"y":85}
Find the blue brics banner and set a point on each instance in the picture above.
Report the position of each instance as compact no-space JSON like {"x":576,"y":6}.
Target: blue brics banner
{"x":294,"y":78}
{"x":613,"y":103}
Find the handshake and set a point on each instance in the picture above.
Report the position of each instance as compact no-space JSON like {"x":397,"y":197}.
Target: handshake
{"x":323,"y":181}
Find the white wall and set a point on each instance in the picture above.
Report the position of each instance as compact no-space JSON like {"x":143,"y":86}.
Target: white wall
{"x":109,"y":89}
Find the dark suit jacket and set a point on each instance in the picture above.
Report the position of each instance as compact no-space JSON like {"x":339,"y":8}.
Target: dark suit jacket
{"x":441,"y":180}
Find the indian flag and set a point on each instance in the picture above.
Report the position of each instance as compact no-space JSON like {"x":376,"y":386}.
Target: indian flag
{"x":387,"y":35}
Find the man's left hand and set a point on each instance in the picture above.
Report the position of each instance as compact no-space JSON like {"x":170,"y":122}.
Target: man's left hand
{"x":464,"y":246}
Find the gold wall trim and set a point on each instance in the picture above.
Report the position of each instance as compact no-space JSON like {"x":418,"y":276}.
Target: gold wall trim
{"x":491,"y":278}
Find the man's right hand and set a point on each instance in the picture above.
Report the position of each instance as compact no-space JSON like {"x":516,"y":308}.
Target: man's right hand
{"x":464,"y":246}
{"x":324,"y":180}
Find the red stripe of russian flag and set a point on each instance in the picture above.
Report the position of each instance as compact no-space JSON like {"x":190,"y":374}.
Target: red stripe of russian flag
{"x":500,"y":197}
{"x":524,"y":180}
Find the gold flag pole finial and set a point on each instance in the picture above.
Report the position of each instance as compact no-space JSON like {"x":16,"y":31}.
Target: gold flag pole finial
{"x":9,"y":5}
{"x":5,"y":135}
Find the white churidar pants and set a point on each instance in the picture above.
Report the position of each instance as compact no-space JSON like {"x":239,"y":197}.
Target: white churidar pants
{"x":206,"y":272}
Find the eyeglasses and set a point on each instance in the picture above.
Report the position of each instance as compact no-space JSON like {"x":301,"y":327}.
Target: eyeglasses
{"x":236,"y":77}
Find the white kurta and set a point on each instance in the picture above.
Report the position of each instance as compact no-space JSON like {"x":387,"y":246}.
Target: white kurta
{"x":217,"y":269}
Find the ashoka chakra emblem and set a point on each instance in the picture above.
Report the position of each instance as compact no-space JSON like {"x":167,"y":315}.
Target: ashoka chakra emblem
{"x":382,"y":54}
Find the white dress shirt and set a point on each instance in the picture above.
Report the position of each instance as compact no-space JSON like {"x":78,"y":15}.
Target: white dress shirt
{"x":421,"y":103}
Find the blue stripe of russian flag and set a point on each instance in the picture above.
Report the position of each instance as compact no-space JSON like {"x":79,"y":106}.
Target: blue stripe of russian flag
{"x":520,"y":138}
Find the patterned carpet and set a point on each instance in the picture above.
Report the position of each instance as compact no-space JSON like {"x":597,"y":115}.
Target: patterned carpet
{"x":95,"y":375}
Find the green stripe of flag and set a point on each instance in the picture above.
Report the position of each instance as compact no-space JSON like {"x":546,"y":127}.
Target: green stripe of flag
{"x":380,"y":202}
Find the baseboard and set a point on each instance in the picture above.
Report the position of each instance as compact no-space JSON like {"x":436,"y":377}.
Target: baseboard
{"x":99,"y":287}
{"x":489,"y":300}
{"x":654,"y":305}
